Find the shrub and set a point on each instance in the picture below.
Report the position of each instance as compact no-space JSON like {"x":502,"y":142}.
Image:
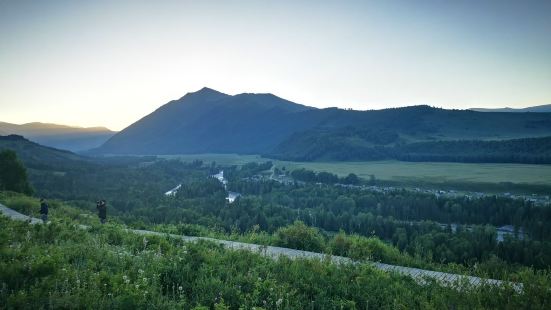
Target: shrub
{"x":299,"y":236}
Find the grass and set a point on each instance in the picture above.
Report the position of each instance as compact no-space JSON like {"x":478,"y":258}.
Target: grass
{"x":435,"y":172}
{"x":426,"y":172}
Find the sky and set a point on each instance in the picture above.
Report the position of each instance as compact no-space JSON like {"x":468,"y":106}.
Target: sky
{"x":109,"y":63}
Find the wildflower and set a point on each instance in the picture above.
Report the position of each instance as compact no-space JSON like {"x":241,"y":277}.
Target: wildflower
{"x":180,"y":288}
{"x":279,"y":302}
{"x":137,"y":286}
{"x":144,"y":279}
{"x":140,"y":271}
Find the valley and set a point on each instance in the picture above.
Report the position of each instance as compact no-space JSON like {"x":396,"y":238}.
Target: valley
{"x":494,"y":178}
{"x":409,"y":229}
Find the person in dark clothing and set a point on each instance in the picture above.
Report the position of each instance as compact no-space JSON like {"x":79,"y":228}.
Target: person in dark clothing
{"x":44,"y":210}
{"x":102,"y":210}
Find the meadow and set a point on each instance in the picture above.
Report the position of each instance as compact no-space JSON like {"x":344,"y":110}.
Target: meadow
{"x":425,"y":172}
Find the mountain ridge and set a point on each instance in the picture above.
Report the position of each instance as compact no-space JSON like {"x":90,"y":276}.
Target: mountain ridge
{"x":208,"y":121}
{"x":65,"y":137}
{"x":545,"y":108}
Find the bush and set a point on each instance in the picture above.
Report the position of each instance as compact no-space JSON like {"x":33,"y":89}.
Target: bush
{"x":299,"y":236}
{"x":359,"y":247}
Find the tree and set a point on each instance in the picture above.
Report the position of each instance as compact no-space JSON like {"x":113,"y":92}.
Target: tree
{"x":351,"y":179}
{"x":13,"y":175}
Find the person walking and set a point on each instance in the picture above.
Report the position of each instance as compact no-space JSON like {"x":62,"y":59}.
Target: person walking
{"x":44,"y":210}
{"x":102,"y":210}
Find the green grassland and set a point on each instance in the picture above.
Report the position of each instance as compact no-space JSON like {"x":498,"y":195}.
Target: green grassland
{"x":426,"y":172}
{"x":435,"y":172}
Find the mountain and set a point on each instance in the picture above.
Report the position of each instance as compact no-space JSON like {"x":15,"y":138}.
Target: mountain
{"x":74,"y":139}
{"x":546,"y":108}
{"x":208,"y":121}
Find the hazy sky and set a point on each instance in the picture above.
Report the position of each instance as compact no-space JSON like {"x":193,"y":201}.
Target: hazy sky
{"x":111,"y":62}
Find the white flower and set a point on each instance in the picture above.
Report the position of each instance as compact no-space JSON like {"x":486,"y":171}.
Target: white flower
{"x":137,"y":286}
{"x":140,"y":271}
{"x":279,"y":302}
{"x":180,"y":288}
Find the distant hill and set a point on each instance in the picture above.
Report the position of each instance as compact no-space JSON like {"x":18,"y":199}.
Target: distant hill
{"x":74,"y":139}
{"x":540,"y":109}
{"x":208,"y":121}
{"x":39,"y":157}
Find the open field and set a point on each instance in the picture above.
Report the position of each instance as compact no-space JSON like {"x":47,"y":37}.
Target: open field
{"x":427,"y":172}
{"x":436,"y":172}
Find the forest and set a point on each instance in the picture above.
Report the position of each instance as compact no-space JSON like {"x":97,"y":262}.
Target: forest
{"x":355,"y":144}
{"x":417,"y":224}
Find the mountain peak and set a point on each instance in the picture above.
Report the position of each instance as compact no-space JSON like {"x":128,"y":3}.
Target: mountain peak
{"x":209,"y":91}
{"x":207,"y":94}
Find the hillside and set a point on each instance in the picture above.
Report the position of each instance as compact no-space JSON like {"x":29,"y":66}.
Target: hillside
{"x":132,"y":271}
{"x":208,"y":121}
{"x":354,"y":146}
{"x":74,"y":139}
{"x":36,"y":156}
